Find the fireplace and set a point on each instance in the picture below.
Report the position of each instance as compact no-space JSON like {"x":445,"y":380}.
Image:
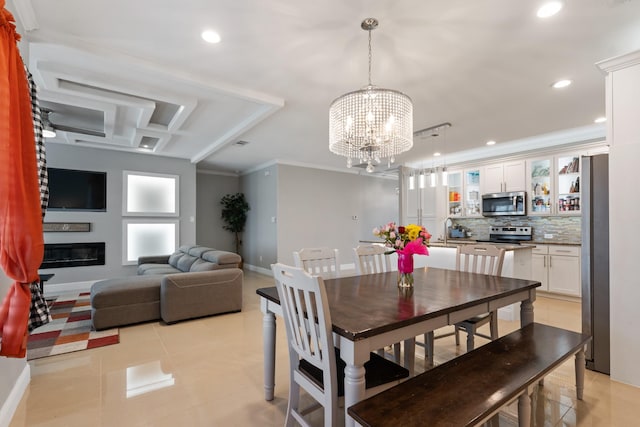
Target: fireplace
{"x":58,"y":255}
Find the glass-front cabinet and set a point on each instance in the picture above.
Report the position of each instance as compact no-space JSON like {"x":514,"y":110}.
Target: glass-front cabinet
{"x":540,"y":182}
{"x":568,"y":184}
{"x":472,"y":197}
{"x":454,"y":192}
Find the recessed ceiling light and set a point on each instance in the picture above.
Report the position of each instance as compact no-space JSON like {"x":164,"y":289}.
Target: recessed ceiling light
{"x":600,"y":120}
{"x":491,"y":143}
{"x":436,"y":154}
{"x":561,"y":83}
{"x":549,"y":8}
{"x":211,"y":36}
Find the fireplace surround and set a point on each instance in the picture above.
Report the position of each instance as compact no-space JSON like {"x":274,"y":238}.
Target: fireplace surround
{"x":58,"y":255}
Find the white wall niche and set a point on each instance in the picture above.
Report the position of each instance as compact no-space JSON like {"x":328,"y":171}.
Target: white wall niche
{"x":148,"y":237}
{"x":150,"y":194}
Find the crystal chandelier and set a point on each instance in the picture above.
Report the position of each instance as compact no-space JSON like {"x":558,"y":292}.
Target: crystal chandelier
{"x":372,"y":123}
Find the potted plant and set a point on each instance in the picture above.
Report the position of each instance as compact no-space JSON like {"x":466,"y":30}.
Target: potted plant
{"x":234,"y":214}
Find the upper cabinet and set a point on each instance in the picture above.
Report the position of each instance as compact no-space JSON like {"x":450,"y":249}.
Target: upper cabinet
{"x":455,"y":191}
{"x":540,"y":186}
{"x":500,"y":177}
{"x":463,"y":193}
{"x":472,"y":195}
{"x":568,"y":184}
{"x":553,"y":185}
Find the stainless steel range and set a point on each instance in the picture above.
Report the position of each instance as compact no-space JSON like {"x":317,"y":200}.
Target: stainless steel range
{"x":509,"y":234}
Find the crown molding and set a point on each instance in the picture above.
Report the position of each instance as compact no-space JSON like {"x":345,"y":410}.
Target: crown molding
{"x":619,"y":62}
{"x":26,"y":14}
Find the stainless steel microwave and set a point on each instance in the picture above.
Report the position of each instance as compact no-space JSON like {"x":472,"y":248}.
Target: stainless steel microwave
{"x":498,"y":204}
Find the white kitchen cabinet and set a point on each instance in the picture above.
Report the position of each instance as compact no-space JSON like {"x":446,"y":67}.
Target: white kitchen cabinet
{"x":539,"y":269}
{"x":557,"y":268}
{"x":454,"y":194}
{"x":472,"y":192}
{"x":508,"y":176}
{"x":420,"y":202}
{"x":540,"y":185}
{"x":568,"y":184}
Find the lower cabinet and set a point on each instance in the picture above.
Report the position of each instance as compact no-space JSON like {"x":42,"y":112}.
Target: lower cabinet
{"x":557,"y":268}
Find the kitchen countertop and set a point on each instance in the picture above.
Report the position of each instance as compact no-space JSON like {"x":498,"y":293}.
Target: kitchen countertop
{"x":453,"y":242}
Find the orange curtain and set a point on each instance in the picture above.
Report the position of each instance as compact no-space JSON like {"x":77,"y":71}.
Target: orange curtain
{"x":21,"y":242}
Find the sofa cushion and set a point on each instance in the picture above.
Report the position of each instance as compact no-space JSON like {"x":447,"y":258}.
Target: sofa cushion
{"x":125,"y":291}
{"x":175,"y":257}
{"x":202,"y":265}
{"x":221,"y":257}
{"x":197,"y":251}
{"x":184,"y":263}
{"x":147,"y":269}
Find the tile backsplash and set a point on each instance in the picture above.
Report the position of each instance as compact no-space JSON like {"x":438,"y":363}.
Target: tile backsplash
{"x":565,"y":229}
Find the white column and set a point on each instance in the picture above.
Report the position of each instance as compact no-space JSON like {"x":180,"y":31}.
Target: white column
{"x":623,"y":136}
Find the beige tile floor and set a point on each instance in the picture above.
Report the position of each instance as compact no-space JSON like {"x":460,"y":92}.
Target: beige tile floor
{"x":208,"y":372}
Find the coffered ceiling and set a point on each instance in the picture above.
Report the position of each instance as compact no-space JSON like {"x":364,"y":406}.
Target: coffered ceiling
{"x":136,"y":76}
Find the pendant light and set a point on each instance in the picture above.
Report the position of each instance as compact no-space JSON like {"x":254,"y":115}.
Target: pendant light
{"x":371,"y":124}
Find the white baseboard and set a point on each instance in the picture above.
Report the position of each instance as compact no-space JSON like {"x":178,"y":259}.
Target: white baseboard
{"x":61,"y":288}
{"x":258,"y":269}
{"x":8,"y":408}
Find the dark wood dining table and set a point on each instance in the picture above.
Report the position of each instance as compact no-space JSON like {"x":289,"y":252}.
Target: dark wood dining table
{"x":369,"y":312}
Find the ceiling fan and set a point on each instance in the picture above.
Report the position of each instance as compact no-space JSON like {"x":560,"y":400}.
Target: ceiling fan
{"x":49,"y":128}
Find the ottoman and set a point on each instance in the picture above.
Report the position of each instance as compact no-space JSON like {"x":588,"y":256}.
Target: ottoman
{"x":124,"y":301}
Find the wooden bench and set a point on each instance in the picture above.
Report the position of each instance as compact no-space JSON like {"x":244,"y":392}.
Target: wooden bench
{"x":471,"y":389}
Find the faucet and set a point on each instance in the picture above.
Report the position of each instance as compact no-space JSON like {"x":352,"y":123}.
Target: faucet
{"x":447,"y":224}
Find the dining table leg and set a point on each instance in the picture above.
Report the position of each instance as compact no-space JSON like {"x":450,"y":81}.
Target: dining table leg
{"x":269,"y":349}
{"x":410,"y":355}
{"x":526,"y":311}
{"x":354,"y":388}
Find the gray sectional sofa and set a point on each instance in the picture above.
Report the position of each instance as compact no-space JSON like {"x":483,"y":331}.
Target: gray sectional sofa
{"x":194,"y":281}
{"x":188,"y":258}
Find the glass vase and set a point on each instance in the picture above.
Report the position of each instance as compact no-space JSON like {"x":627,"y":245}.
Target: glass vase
{"x":405,"y":270}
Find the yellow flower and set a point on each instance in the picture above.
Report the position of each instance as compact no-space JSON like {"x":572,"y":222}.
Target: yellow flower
{"x":413,"y":231}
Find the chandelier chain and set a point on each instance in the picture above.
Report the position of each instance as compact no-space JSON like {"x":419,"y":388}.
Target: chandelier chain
{"x":369,"y":57}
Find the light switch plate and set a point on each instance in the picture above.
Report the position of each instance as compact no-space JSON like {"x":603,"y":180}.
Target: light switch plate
{"x":548,"y":236}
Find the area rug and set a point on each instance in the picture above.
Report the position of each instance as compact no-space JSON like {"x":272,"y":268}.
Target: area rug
{"x":70,"y":329}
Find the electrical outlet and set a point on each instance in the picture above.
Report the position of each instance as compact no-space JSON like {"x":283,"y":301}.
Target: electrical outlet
{"x":548,"y":236}
{"x":260,"y":258}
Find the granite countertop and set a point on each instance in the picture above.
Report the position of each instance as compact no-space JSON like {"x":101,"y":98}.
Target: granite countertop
{"x":453,"y":242}
{"x":554,"y":242}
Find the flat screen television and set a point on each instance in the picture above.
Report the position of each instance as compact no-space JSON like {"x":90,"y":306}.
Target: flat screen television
{"x":77,"y":190}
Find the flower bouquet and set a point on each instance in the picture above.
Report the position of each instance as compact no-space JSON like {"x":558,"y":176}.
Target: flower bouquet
{"x":405,"y":241}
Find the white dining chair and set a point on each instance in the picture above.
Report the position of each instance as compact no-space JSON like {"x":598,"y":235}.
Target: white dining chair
{"x":473,"y":258}
{"x":371,"y":259}
{"x":321,"y":261}
{"x":314,"y":362}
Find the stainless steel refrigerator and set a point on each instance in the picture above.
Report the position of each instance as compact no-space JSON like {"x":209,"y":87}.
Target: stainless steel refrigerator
{"x":595,"y":259}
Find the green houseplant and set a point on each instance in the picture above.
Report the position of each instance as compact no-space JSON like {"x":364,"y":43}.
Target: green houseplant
{"x":234,"y":214}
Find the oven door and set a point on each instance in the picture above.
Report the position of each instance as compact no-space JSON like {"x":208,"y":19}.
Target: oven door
{"x":498,"y":204}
